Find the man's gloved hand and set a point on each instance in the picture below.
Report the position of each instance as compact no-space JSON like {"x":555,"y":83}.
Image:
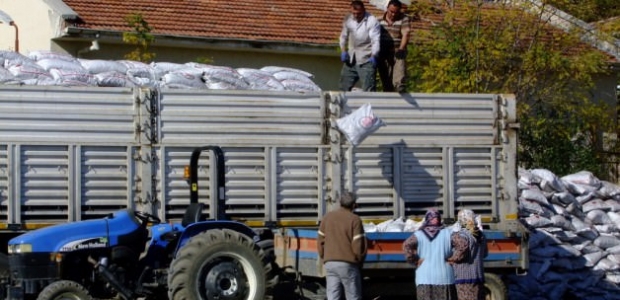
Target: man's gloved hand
{"x":400,"y":54}
{"x":344,"y":57}
{"x":373,"y":61}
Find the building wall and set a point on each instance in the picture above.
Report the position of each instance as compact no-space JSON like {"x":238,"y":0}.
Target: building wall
{"x":36,"y":22}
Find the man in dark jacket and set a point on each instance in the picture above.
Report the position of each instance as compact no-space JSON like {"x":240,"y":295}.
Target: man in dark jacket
{"x":342,"y":247}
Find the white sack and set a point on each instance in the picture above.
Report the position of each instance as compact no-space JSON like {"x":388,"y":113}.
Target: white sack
{"x":275,"y":69}
{"x":24,"y":72}
{"x":530,"y":207}
{"x":598,"y":217}
{"x":608,"y":190}
{"x":605,"y":241}
{"x":97,"y":66}
{"x":605,"y":265}
{"x":370,"y":227}
{"x":114,"y":79}
{"x":583,"y":178}
{"x":612,"y":205}
{"x":412,"y":225}
{"x":550,"y":182}
{"x":538,"y":221}
{"x":51,"y":63}
{"x":260,"y":80}
{"x":560,"y":221}
{"x":614,"y":217}
{"x":73,"y":77}
{"x":300,"y":86}
{"x":535,"y":195}
{"x":359,"y":124}
{"x":189,"y":76}
{"x":593,"y":258}
{"x":564,"y":198}
{"x":594,"y":204}
{"x":46,"y":54}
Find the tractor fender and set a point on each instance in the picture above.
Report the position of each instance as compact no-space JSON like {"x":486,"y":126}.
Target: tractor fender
{"x":199,"y":227}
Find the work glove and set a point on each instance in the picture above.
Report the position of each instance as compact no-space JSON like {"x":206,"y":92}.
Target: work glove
{"x":344,"y":57}
{"x":373,"y":61}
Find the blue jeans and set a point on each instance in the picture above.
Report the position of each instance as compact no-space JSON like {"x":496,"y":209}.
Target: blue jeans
{"x":365,"y":73}
{"x":343,"y":275}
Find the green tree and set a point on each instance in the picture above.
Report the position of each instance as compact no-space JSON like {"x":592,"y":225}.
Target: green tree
{"x":481,"y":47}
{"x":588,"y":10}
{"x":140,"y":36}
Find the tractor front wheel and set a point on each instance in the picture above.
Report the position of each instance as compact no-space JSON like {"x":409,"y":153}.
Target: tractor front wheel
{"x":64,"y":290}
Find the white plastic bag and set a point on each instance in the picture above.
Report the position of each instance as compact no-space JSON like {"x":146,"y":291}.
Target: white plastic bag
{"x":359,"y":124}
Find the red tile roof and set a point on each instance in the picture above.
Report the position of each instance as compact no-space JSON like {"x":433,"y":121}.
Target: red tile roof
{"x":311,"y":22}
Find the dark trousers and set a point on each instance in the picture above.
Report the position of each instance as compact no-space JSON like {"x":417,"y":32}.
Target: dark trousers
{"x":352,"y":73}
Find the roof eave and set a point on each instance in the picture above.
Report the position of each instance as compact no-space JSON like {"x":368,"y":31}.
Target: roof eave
{"x":116,"y":37}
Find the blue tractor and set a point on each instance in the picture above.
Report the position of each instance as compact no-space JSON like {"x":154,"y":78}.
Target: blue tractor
{"x":118,"y":257}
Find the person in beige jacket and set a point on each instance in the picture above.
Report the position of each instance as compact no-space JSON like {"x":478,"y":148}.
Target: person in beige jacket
{"x":342,"y":248}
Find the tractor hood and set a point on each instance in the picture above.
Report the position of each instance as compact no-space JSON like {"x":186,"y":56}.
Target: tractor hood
{"x":80,"y":235}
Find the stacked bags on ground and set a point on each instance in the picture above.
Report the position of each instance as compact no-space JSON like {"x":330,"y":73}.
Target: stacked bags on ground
{"x":574,"y":241}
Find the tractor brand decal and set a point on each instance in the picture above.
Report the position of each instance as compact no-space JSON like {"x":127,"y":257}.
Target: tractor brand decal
{"x":101,"y":242}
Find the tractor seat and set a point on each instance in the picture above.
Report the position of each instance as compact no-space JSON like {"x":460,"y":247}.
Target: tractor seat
{"x":193,"y":214}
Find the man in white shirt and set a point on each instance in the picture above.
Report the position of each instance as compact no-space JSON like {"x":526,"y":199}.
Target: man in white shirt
{"x":359,"y":43}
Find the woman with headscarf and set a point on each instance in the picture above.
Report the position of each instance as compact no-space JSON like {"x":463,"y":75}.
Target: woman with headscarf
{"x":428,"y":249}
{"x":468,"y":265}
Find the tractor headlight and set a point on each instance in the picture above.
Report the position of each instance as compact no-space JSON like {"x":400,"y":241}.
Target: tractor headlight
{"x":20,"y":248}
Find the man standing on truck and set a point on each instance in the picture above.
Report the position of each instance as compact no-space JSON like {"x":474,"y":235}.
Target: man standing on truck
{"x":342,"y":248}
{"x":393,"y":55}
{"x":359,"y":45}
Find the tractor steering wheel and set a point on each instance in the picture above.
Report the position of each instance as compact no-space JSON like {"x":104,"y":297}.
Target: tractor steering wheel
{"x":146,"y":218}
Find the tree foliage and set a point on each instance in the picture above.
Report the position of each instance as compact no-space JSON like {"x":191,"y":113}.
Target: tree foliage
{"x":588,"y":10}
{"x":140,"y":36}
{"x":481,"y":47}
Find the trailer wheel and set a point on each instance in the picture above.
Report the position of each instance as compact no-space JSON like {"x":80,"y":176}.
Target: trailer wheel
{"x":220,"y":264}
{"x":494,"y":287}
{"x":64,"y":290}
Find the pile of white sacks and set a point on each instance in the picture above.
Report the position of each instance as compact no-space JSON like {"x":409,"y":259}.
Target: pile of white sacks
{"x":50,"y":68}
{"x":574,"y":242}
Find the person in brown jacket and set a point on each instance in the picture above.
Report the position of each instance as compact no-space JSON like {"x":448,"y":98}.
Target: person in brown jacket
{"x":342,"y":247}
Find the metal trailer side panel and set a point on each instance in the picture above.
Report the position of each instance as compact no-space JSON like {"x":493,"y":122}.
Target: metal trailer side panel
{"x":230,"y":118}
{"x":264,"y":185}
{"x":50,"y":184}
{"x":432,"y":120}
{"x":52,"y":114}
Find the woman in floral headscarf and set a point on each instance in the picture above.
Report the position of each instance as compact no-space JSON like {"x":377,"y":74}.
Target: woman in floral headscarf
{"x":468,"y":267}
{"x":428,"y":248}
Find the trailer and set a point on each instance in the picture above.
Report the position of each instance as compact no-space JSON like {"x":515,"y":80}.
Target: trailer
{"x":71,"y":154}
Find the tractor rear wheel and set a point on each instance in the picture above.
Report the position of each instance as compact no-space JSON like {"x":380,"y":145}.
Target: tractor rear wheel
{"x":64,"y":290}
{"x":221,"y":264}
